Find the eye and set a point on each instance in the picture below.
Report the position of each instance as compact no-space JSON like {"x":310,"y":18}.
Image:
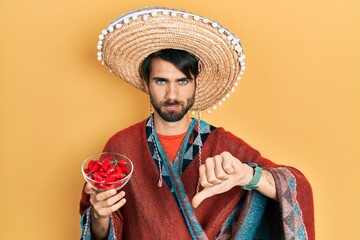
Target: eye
{"x":160,"y":81}
{"x":183,"y":81}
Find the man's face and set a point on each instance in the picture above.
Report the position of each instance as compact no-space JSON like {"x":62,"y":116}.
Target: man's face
{"x":172,"y":94}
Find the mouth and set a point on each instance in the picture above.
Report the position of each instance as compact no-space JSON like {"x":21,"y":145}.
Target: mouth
{"x":172,"y":107}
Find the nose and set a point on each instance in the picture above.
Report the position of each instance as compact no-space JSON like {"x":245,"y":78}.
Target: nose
{"x":171,"y":91}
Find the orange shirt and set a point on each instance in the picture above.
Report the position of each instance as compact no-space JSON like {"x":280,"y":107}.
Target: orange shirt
{"x":171,"y":144}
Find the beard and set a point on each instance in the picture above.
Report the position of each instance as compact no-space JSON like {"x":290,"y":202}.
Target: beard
{"x":172,"y":115}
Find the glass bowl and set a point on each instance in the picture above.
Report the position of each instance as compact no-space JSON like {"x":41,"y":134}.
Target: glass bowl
{"x":107,"y":170}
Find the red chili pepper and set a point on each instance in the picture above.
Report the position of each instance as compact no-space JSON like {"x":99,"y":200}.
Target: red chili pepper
{"x":122,"y":163}
{"x":105,"y":166}
{"x":110,"y":171}
{"x":107,"y":159}
{"x":96,"y":167}
{"x":106,"y":163}
{"x":115,"y":185}
{"x":110,"y":179}
{"x":117,"y":175}
{"x":91,"y":164}
{"x":118,"y":169}
{"x":103,"y":174}
{"x":126,"y":170}
{"x":100,"y":185}
{"x":98,"y":177}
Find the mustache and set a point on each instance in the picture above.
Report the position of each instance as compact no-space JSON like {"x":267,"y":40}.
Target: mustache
{"x":171,"y":103}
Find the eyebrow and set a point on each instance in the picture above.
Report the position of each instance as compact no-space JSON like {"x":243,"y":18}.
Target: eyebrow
{"x":166,"y":79}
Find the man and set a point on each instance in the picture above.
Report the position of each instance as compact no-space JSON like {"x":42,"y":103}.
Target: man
{"x":191,"y":180}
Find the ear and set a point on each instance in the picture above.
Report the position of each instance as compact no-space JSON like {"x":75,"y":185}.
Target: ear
{"x":146,"y":87}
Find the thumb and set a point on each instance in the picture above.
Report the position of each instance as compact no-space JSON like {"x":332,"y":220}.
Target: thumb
{"x":200,"y":196}
{"x":89,"y":189}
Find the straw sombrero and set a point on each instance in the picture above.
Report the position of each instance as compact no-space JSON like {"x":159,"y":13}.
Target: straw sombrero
{"x":128,"y":40}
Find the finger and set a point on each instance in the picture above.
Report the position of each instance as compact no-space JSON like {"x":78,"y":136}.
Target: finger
{"x":112,"y":200}
{"x":89,"y":188}
{"x":119,"y":204}
{"x":219,"y":171}
{"x":99,"y":197}
{"x":105,"y":195}
{"x":200,"y":196}
{"x":106,"y":211}
{"x":203,"y":179}
{"x":105,"y":207}
{"x":210,"y":171}
{"x":227,"y":164}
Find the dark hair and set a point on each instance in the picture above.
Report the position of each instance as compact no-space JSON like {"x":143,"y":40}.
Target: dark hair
{"x":186,"y":62}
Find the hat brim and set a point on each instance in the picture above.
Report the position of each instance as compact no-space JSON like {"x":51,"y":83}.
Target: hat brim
{"x":130,"y":40}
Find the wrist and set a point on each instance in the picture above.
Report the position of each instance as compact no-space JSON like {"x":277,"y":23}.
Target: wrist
{"x":100,"y":226}
{"x":249,"y":174}
{"x":100,"y":219}
{"x":255,"y":176}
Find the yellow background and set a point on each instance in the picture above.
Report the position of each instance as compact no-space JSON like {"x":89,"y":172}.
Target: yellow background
{"x":298,"y":102}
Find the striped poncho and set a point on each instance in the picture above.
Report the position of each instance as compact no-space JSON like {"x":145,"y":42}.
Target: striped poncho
{"x":166,"y":213}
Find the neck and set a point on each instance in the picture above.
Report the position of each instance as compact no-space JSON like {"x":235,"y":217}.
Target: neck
{"x":171,"y":128}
